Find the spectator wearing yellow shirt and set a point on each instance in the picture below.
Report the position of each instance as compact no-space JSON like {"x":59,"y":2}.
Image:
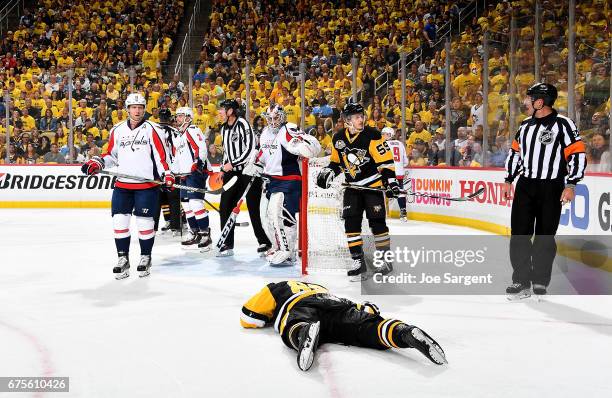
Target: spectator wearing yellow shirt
{"x":324,"y":139}
{"x":201,"y":119}
{"x":465,"y":80}
{"x":418,"y":133}
{"x":198,"y":92}
{"x":150,"y":57}
{"x":119,"y":114}
{"x":29,"y":123}
{"x":500,"y":81}
{"x":292,"y":111}
{"x":435,"y":75}
{"x":208,"y":108}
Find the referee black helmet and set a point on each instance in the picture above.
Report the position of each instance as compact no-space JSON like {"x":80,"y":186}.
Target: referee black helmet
{"x":230,"y":104}
{"x":545,"y":91}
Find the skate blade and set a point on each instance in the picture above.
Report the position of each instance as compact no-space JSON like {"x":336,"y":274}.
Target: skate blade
{"x":307,"y":352}
{"x":359,"y":278}
{"x":205,"y":249}
{"x":122,"y":275}
{"x":227,"y":253}
{"x":190,"y":247}
{"x":436,"y":354}
{"x":143,"y":274}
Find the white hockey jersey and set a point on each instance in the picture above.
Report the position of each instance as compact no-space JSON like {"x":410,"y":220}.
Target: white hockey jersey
{"x":189,"y":147}
{"x":399,"y":157}
{"x":140,"y":152}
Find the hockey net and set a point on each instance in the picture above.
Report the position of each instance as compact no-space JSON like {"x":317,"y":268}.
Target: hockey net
{"x":322,"y":240}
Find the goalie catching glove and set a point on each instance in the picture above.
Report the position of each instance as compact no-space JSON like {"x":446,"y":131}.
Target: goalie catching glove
{"x":93,"y":165}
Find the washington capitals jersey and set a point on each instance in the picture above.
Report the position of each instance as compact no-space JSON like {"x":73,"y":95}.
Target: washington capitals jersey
{"x":365,"y":158}
{"x":140,"y":151}
{"x":273,"y":303}
{"x":400,"y":160}
{"x":278,"y":161}
{"x":189,"y":147}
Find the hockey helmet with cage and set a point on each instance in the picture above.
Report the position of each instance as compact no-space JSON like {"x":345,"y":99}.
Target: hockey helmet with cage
{"x":135,"y":99}
{"x":545,"y":91}
{"x":275,"y":116}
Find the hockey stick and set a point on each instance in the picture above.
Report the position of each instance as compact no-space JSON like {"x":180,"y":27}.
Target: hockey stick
{"x":226,"y":186}
{"x":424,"y":195}
{"x":231,"y":221}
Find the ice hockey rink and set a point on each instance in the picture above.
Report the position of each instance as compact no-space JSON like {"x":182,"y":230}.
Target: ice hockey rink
{"x":177,"y":333}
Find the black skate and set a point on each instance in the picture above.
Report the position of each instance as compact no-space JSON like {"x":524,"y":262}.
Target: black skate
{"x":309,"y":342}
{"x":359,"y":271}
{"x":417,"y":338}
{"x":539,"y":291}
{"x":122,"y":270}
{"x":192,"y":243}
{"x":262,"y":250}
{"x":206,"y":242}
{"x":518,"y":291}
{"x":166,"y":227}
{"x":385,"y":268}
{"x":403,"y":215}
{"x":144,"y":266}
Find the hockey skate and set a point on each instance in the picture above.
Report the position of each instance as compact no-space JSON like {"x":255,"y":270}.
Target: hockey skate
{"x":166,"y":228}
{"x":403,"y":215}
{"x":192,"y":242}
{"x":518,"y":291}
{"x":309,"y":341}
{"x":122,"y":270}
{"x":263,"y":250}
{"x":224,"y":251}
{"x":144,"y":266}
{"x":359,"y":271}
{"x":539,"y":291}
{"x":385,"y":268}
{"x":206,"y":242}
{"x":281,"y":258}
{"x":417,"y":338}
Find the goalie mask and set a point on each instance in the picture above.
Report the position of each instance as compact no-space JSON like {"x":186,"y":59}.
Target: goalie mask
{"x":275,"y":116}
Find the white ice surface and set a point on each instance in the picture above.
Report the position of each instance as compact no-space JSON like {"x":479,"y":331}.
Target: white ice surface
{"x":177,"y":333}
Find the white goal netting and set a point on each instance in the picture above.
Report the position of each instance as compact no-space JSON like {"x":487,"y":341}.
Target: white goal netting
{"x":326,"y":247}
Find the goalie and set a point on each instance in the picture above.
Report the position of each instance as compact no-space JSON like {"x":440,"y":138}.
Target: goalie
{"x":306,"y":316}
{"x":366,"y":159}
{"x":278,"y":160}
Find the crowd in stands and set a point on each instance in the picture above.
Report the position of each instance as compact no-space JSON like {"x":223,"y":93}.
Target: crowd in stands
{"x":101,"y":42}
{"x":275,"y":37}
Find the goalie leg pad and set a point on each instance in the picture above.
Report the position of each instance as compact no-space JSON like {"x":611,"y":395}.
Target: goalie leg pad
{"x":266,"y":221}
{"x":284,"y":224}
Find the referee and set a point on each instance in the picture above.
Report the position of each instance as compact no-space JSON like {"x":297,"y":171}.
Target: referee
{"x":239,"y":144}
{"x":549,"y":157}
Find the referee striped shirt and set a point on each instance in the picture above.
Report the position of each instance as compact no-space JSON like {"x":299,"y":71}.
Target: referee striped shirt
{"x":238,"y":143}
{"x":547,"y":148}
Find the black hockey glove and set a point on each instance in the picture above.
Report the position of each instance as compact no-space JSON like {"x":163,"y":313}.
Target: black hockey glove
{"x":325,"y":178}
{"x":392,"y":189}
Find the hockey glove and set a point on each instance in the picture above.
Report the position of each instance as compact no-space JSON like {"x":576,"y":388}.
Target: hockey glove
{"x":253,"y":169}
{"x":168,"y":181}
{"x":325,"y":178}
{"x":198,"y":166}
{"x":93,"y":165}
{"x":393,"y":189}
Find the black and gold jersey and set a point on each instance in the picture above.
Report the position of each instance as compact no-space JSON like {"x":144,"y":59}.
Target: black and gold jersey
{"x":272,"y":304}
{"x":365,"y":159}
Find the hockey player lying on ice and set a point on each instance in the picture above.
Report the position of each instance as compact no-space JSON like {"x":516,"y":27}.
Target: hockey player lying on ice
{"x":306,"y":316}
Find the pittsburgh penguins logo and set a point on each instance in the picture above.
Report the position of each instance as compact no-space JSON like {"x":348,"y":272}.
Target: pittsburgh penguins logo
{"x":354,"y":159}
{"x":546,"y":137}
